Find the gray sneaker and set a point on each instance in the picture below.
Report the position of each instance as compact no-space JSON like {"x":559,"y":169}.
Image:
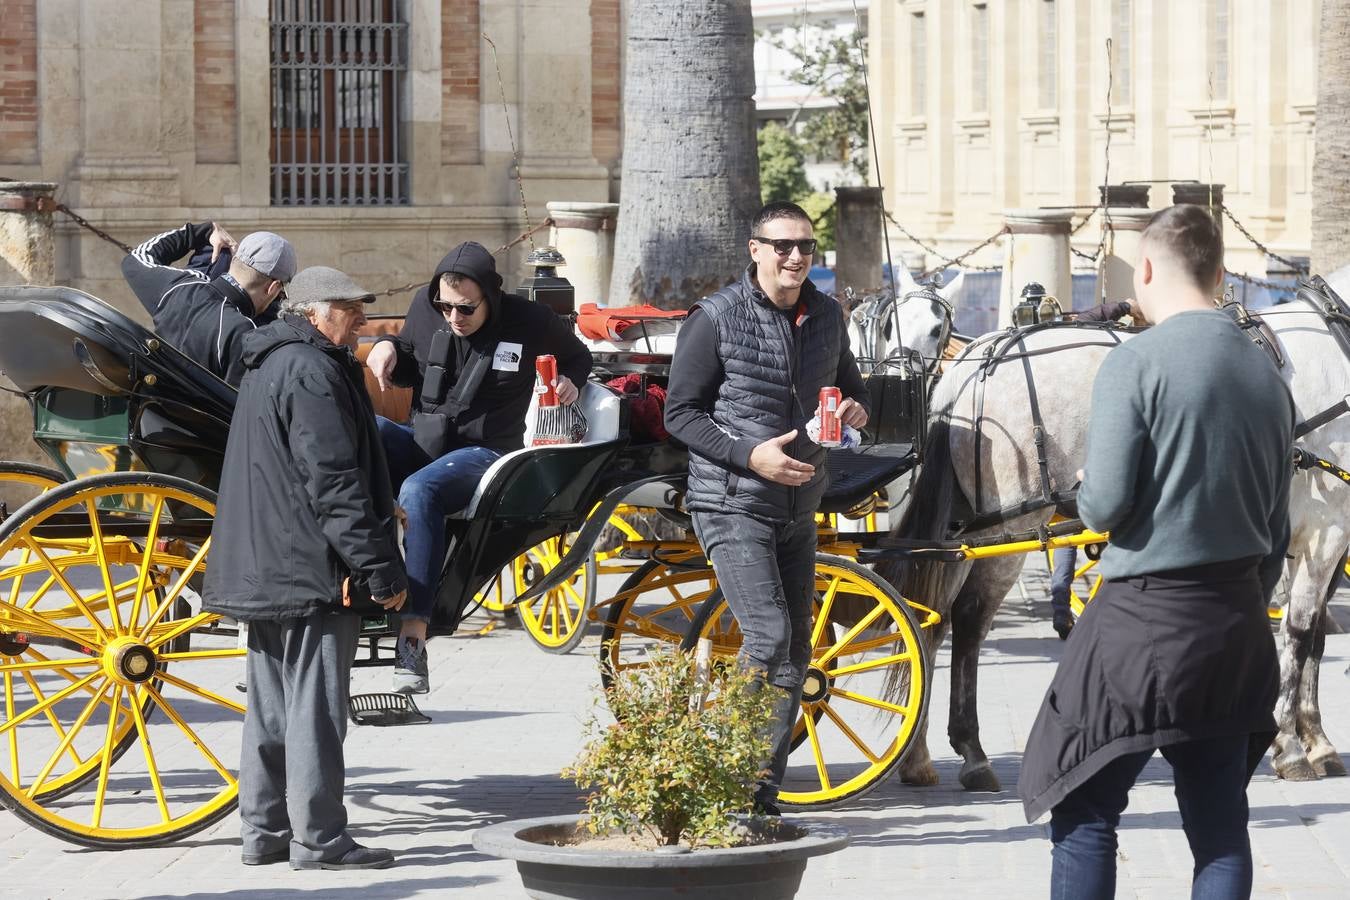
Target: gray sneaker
{"x":410,"y":666}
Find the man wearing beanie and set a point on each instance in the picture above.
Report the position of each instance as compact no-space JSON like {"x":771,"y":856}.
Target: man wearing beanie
{"x":208,"y":318}
{"x":467,"y":350}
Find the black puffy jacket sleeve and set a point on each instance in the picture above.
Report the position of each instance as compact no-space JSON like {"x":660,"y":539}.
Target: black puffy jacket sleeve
{"x":321,"y":422}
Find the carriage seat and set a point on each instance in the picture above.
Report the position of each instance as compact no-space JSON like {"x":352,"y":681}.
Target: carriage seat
{"x":599,"y":404}
{"x":857,"y":475}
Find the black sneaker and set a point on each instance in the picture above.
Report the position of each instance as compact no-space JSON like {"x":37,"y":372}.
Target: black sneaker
{"x":410,"y":666}
{"x":1063,"y":624}
{"x":357,"y":857}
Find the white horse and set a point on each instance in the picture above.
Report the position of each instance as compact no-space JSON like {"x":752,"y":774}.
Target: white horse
{"x":982,"y":457}
{"x":918,"y":318}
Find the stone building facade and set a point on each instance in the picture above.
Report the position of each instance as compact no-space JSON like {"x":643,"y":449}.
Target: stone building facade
{"x":372,"y":133}
{"x":988,"y":105}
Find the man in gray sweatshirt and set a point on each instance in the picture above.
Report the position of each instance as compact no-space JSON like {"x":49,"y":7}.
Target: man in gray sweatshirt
{"x":1189,"y":459}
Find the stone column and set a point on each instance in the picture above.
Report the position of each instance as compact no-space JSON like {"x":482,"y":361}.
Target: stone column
{"x":26,"y":246}
{"x":584,"y":234}
{"x":1037,"y":249}
{"x":857,"y":239}
{"x":1116,"y":272}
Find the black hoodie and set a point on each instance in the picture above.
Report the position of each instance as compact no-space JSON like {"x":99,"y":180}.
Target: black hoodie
{"x":305,"y":499}
{"x":517,"y":331}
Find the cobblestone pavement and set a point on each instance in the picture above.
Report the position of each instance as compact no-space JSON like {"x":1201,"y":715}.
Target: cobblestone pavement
{"x":507,"y":717}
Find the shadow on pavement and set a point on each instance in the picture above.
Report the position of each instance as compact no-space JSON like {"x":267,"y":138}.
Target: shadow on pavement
{"x":393,"y":887}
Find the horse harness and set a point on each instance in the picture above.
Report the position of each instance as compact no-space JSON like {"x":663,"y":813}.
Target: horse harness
{"x":996,"y":352}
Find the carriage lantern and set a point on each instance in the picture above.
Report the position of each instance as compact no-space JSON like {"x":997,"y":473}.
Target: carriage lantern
{"x":546,"y":286}
{"x":1028,"y":310}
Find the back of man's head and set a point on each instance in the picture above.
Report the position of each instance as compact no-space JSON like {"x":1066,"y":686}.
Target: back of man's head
{"x":1186,"y":241}
{"x":779,"y":209}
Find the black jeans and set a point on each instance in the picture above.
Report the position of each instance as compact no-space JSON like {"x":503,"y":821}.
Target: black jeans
{"x":767,"y":573}
{"x":1211,"y":788}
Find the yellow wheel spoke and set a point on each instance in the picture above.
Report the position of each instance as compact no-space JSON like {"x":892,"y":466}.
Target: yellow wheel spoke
{"x":198,"y":690}
{"x":74,"y":595}
{"x":874,"y":702}
{"x":813,"y":738}
{"x":66,"y":741}
{"x":50,"y":716}
{"x":96,"y":539}
{"x":37,"y":596}
{"x":167,"y":603}
{"x":858,"y":742}
{"x":870,"y":664}
{"x":13,"y":735}
{"x":823,"y":617}
{"x":144,"y":734}
{"x":193,"y":655}
{"x":47,"y":703}
{"x":181,"y":628}
{"x":43,"y":663}
{"x":109,"y":740}
{"x":853,"y":632}
{"x":873,"y":643}
{"x":144,"y":575}
{"x":570,"y":622}
{"x":192,"y":736}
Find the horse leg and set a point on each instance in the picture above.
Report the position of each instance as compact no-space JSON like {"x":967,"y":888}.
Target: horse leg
{"x":972,"y":615}
{"x":1322,"y":755}
{"x":917,"y":767}
{"x":1291,"y":760}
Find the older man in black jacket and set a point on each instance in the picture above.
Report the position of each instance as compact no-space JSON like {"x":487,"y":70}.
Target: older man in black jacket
{"x":305,"y":520}
{"x":468,"y":351}
{"x":748,"y":369}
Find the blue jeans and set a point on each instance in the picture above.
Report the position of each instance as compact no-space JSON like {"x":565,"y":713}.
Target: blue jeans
{"x":1210,"y":778}
{"x":1061,"y":579}
{"x":429,"y":491}
{"x":768,"y":574}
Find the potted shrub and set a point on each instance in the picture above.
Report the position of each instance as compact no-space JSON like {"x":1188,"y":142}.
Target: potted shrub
{"x":670,"y":791}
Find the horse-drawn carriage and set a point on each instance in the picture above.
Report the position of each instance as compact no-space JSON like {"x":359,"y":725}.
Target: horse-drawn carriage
{"x":109,"y":665}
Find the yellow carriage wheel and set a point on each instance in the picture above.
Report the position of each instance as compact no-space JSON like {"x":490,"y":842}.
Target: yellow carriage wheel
{"x":866,"y":687}
{"x":492,"y":598}
{"x":557,"y":620}
{"x":116,"y":684}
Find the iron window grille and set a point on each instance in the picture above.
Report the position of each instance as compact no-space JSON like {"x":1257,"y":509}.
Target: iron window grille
{"x":337,"y":75}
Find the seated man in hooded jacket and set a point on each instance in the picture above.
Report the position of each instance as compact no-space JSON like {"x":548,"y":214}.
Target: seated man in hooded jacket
{"x":467,"y":350}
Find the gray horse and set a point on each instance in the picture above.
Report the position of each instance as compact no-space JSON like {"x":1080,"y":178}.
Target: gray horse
{"x":982,"y":456}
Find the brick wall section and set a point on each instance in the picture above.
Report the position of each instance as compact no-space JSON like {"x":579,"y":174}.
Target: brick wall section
{"x":216,"y":109}
{"x":605,"y":78}
{"x":460,"y":56}
{"x":18,"y":82}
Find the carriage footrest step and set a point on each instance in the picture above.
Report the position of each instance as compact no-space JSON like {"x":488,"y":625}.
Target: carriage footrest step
{"x":385,"y":709}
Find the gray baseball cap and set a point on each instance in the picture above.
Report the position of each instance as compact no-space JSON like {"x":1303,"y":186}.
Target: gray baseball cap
{"x":321,"y":284}
{"x":269,"y":253}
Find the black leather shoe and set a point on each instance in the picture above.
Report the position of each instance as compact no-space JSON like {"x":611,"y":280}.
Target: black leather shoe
{"x":767,"y":808}
{"x":265,"y":859}
{"x":357,"y":857}
{"x":1063,"y":624}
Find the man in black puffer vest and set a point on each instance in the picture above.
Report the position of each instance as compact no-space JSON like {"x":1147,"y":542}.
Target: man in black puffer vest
{"x":748,"y":370}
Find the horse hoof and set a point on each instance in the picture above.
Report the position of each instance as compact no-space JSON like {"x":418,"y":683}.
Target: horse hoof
{"x":1298,"y":769}
{"x":981,"y":778}
{"x":1328,"y":766}
{"x":920,"y":776}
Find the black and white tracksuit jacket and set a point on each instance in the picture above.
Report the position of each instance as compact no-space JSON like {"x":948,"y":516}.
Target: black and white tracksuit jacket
{"x":206,"y":318}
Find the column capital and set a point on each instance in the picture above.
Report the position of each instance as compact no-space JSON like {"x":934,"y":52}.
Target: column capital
{"x":587,"y":216}
{"x":1038,"y":221}
{"x":1128,"y":218}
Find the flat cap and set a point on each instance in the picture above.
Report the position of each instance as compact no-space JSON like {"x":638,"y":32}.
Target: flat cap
{"x":268,"y":253}
{"x":322,"y":284}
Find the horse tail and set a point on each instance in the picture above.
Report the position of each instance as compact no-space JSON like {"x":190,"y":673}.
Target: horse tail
{"x":927,"y":518}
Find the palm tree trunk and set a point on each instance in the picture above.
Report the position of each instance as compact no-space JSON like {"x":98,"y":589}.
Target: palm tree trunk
{"x":690,"y":174}
{"x":1331,"y":153}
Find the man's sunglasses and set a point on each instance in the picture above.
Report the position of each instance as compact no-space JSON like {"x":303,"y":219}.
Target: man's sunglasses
{"x":464,"y":309}
{"x":783,"y":246}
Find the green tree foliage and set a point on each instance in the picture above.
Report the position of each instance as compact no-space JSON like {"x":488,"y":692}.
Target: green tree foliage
{"x":782,"y":165}
{"x":833,"y":67}
{"x":673,"y":769}
{"x":820,"y":207}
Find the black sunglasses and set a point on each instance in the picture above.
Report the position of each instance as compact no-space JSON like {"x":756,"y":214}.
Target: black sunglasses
{"x":783,"y":246}
{"x":464,"y":309}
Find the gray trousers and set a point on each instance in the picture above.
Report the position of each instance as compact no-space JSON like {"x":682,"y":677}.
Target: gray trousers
{"x":291,"y":767}
{"x":767,"y":573}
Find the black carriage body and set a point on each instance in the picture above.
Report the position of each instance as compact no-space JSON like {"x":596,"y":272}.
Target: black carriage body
{"x":109,"y":395}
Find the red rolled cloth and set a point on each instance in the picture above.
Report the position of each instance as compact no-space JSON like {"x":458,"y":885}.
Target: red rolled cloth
{"x":626,"y":323}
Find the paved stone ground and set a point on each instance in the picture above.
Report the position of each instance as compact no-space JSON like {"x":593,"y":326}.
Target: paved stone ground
{"x":507,"y":717}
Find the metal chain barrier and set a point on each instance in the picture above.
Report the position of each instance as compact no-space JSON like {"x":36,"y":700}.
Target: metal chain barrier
{"x":946,"y":262}
{"x":84,"y":223}
{"x":1301,"y":268}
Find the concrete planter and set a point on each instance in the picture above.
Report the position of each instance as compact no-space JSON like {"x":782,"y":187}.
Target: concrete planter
{"x":550,"y":872}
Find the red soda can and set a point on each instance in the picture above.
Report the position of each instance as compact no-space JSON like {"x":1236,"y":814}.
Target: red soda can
{"x":831,"y":428}
{"x":546,"y":367}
